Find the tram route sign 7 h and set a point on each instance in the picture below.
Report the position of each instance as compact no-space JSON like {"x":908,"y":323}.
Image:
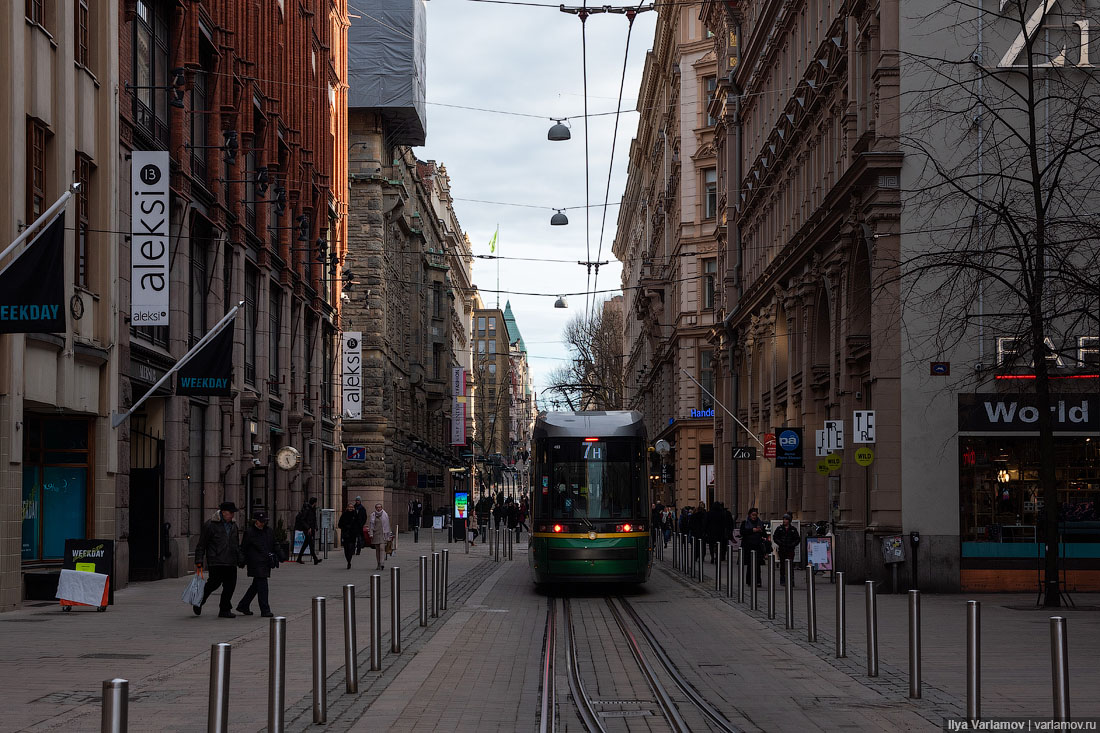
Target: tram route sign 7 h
{"x":744,"y":453}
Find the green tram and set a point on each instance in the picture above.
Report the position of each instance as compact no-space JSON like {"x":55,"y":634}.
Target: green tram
{"x":590,"y":498}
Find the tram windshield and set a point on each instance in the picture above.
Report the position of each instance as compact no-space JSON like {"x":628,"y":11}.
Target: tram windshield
{"x":592,"y":480}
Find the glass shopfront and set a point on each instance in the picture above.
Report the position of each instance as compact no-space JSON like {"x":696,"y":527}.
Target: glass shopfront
{"x":56,"y":496}
{"x":1002,"y":509}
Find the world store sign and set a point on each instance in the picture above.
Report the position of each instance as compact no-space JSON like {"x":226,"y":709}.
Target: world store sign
{"x":1019,"y":413}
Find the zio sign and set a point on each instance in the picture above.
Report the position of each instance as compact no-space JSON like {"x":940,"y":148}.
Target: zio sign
{"x":1075,"y":52}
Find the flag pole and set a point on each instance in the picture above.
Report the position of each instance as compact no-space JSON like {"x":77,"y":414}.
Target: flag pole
{"x":118,"y":419}
{"x":716,"y":401}
{"x":497,"y":240}
{"x":45,"y":216}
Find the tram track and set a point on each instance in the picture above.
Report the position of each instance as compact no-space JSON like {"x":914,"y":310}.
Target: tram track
{"x":660,"y":676}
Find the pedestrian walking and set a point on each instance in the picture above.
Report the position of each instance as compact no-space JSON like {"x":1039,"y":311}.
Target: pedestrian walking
{"x":306,"y":523}
{"x":351,"y":532}
{"x":699,"y":527}
{"x":523,"y":512}
{"x":753,"y":537}
{"x":361,"y":517}
{"x":219,"y":552}
{"x":259,"y":557}
{"x":498,"y":514}
{"x":511,"y":516}
{"x":378,"y":525}
{"x":416,"y":511}
{"x":786,"y":540}
{"x":668,"y":519}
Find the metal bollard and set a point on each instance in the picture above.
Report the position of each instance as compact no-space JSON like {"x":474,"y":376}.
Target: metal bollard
{"x":351,"y":668}
{"x":217,"y":711}
{"x":702,"y":563}
{"x":116,"y":696}
{"x":320,"y":660}
{"x":771,"y":587}
{"x":841,"y":617}
{"x":276,"y":683}
{"x":718,"y":570}
{"x":423,"y":590}
{"x":973,"y":660}
{"x":741,"y":576}
{"x":375,"y":622}
{"x":1059,"y":667}
{"x":511,"y":545}
{"x":395,"y":610}
{"x":436,"y":575}
{"x":444,"y":569}
{"x":754,"y":572}
{"x":871,"y":603}
{"x":731,"y":568}
{"x":811,"y":605}
{"x":914,"y":644}
{"x":788,"y":593}
{"x":466,"y":540}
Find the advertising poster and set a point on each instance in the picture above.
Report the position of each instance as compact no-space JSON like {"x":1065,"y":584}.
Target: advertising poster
{"x":462,"y":504}
{"x":820,"y":552}
{"x":149,"y":252}
{"x":352,"y":374}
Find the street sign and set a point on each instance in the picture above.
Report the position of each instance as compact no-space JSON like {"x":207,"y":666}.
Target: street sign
{"x":769,"y":445}
{"x":820,"y":448}
{"x":939,"y":368}
{"x":864,"y":456}
{"x":834,"y":435}
{"x":822,"y":467}
{"x":833,"y":461}
{"x":744,"y":452}
{"x":863,"y":426}
{"x":788,"y":451}
{"x":357,"y":453}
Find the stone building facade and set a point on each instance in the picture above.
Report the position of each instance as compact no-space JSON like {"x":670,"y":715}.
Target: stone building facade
{"x":57,"y":391}
{"x":250,"y":104}
{"x":666,"y":241}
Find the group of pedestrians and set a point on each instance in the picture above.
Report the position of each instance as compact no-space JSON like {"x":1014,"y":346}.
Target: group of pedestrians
{"x":222,"y":549}
{"x":754,"y":537}
{"x":509,"y":512}
{"x":358,"y":529}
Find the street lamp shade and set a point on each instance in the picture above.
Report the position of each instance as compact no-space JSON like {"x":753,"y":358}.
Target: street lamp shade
{"x":559,"y":219}
{"x":561,"y":302}
{"x":559,"y":131}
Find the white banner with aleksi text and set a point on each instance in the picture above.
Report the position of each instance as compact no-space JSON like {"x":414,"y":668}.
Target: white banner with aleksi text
{"x":149,"y":254}
{"x":352,"y":373}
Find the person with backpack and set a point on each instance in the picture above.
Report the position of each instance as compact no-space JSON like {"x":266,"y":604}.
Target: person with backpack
{"x":306,"y":523}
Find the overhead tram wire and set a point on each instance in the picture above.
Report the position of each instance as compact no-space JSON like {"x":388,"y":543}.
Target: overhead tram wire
{"x":630,"y":16}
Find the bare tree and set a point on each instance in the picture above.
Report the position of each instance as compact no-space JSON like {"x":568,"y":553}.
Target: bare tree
{"x":1004,"y":141}
{"x":594,"y":378}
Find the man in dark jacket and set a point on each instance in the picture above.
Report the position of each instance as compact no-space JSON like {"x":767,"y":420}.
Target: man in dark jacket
{"x":511,"y":516}
{"x":306,"y":523}
{"x":220,"y":554}
{"x":786,"y":540}
{"x":351,"y":532}
{"x":258,"y":548}
{"x":713,"y":530}
{"x":753,"y":536}
{"x":698,"y":527}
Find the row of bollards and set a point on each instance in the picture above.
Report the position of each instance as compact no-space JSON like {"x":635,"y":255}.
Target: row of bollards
{"x":116,"y":691}
{"x":687,"y":557}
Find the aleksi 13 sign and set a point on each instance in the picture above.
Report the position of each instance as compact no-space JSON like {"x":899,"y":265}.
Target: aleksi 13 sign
{"x":352,"y":360}
{"x":149,"y":255}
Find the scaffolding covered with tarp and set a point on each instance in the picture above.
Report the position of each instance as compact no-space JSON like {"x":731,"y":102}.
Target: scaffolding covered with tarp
{"x":387,"y":45}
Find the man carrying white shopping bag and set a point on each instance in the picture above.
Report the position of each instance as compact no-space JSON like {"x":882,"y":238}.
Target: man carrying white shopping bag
{"x":219,"y":552}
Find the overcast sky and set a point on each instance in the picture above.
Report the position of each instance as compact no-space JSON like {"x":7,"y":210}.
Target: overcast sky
{"x":528,"y":60}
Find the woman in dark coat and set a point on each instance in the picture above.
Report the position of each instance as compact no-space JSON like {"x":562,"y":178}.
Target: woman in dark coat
{"x":350,"y":532}
{"x":258,"y":548}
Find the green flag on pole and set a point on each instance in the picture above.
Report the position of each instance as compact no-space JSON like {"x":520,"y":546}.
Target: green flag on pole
{"x":493,"y":241}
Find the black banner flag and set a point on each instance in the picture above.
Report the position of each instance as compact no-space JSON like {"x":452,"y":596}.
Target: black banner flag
{"x":210,"y":371}
{"x":32,"y":287}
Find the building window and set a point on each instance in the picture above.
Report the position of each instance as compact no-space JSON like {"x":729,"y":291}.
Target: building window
{"x":251,"y":322}
{"x":706,"y":378}
{"x":493,"y":369}
{"x":36,"y":11}
{"x":150,"y":69}
{"x":492,"y":346}
{"x":56,"y":494}
{"x":710,"y":271}
{"x":492,"y":326}
{"x":307,"y":378}
{"x":250,"y":186}
{"x":275,"y":320}
{"x":437,"y":300}
{"x":197,"y":305}
{"x":81,"y":32}
{"x":437,"y":361}
{"x":84,"y":178}
{"x":198,"y":126}
{"x":36,"y":170}
{"x":481,"y":325}
{"x":710,"y":84}
{"x":480,"y":346}
{"x":710,"y":193}
{"x":227,"y":274}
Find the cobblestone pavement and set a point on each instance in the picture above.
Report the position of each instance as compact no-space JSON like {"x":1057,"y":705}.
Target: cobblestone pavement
{"x":477,"y":666}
